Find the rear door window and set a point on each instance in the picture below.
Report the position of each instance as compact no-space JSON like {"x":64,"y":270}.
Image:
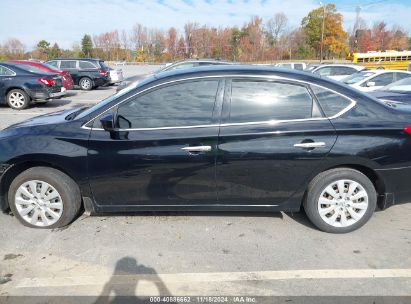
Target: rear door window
{"x":86,"y":65}
{"x":400,"y":76}
{"x":258,"y":101}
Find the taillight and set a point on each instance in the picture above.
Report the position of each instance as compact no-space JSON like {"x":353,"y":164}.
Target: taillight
{"x":46,"y":81}
{"x":103,"y":72}
{"x":407,"y":129}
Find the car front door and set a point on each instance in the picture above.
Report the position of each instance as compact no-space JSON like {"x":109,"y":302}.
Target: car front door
{"x":163,"y":151}
{"x":273,"y":135}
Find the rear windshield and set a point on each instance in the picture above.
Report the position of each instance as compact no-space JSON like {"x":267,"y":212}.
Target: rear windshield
{"x":103,"y":65}
{"x":51,"y":67}
{"x":31,"y":69}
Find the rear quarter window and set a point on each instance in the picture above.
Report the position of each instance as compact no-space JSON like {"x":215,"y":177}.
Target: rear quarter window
{"x":330,"y":102}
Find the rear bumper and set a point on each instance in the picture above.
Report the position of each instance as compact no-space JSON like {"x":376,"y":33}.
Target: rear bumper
{"x":397,"y":189}
{"x":101,"y":81}
{"x":3,"y":204}
{"x":46,"y":94}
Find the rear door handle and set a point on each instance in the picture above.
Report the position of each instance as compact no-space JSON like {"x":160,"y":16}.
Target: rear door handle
{"x":310,"y":145}
{"x":197,"y":149}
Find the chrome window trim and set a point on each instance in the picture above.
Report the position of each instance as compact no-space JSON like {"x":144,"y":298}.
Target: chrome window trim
{"x":14,"y":73}
{"x":266,"y":77}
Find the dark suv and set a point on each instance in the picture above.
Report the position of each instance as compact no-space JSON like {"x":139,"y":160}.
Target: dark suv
{"x":87,"y":73}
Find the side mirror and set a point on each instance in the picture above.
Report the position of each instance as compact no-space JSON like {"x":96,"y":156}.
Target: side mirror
{"x":370,"y":84}
{"x":107,"y":121}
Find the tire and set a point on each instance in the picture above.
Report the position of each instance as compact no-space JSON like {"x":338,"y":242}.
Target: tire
{"x":18,"y":99}
{"x":348,"y":213}
{"x":86,"y":84}
{"x":59,"y":211}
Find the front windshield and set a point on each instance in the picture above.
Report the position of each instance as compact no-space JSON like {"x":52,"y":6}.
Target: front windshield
{"x":109,"y":99}
{"x":399,"y":86}
{"x":357,"y":77}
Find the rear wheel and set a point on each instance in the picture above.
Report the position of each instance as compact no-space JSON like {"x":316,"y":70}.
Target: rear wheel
{"x":18,"y":99}
{"x":43,"y":197}
{"x":86,"y":84}
{"x":340,"y":200}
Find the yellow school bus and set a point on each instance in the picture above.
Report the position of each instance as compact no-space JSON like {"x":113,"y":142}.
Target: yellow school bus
{"x":389,"y":60}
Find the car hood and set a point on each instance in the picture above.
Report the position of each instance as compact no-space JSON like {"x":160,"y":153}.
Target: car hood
{"x":46,"y":119}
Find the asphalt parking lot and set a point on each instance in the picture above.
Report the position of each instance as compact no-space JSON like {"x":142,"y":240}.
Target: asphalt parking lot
{"x":199,"y":254}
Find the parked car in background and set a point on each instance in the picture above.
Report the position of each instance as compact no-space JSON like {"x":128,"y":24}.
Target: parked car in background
{"x":239,"y":138}
{"x":116,"y":75}
{"x":87,"y":73}
{"x":336,"y":71}
{"x":178,"y":65}
{"x":292,"y":65}
{"x":192,"y":63}
{"x":371,"y":80}
{"x":311,"y":66}
{"x":66,"y":77}
{"x":399,"y":91}
{"x":21,"y":84}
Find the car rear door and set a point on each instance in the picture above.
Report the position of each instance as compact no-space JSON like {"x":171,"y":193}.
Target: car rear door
{"x":164,"y":151}
{"x":272,"y":137}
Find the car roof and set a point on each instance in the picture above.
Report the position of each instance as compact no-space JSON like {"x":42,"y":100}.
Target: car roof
{"x":202,"y":60}
{"x":382,"y":71}
{"x":74,"y":58}
{"x":237,"y":70}
{"x":341,"y":65}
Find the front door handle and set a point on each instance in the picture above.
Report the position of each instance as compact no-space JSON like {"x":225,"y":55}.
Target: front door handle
{"x":197,"y":149}
{"x":310,"y":145}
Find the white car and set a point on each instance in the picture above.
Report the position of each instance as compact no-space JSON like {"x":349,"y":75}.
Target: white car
{"x":371,"y":80}
{"x":116,"y":76}
{"x":336,"y":71}
{"x":292,"y":65}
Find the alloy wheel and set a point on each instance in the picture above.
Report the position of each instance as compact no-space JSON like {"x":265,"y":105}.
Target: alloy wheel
{"x":17,"y":99}
{"x":38,"y":203}
{"x":85,"y":84}
{"x":343,"y":203}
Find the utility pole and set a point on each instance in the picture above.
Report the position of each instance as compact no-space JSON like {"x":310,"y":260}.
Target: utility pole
{"x":322,"y":33}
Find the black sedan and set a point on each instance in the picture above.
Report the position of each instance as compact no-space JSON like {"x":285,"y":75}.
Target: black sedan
{"x":399,"y":91}
{"x":20,"y":84}
{"x":213,"y":139}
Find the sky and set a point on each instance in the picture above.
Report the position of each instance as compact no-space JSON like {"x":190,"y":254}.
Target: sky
{"x":66,"y":21}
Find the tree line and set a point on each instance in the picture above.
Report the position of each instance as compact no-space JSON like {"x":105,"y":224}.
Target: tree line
{"x":257,"y":40}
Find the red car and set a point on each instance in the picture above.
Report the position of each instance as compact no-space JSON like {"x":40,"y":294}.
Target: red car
{"x":67,"y":80}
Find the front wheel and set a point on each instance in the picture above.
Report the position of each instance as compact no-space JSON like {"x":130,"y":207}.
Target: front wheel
{"x":340,"y":200}
{"x":43,"y":197}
